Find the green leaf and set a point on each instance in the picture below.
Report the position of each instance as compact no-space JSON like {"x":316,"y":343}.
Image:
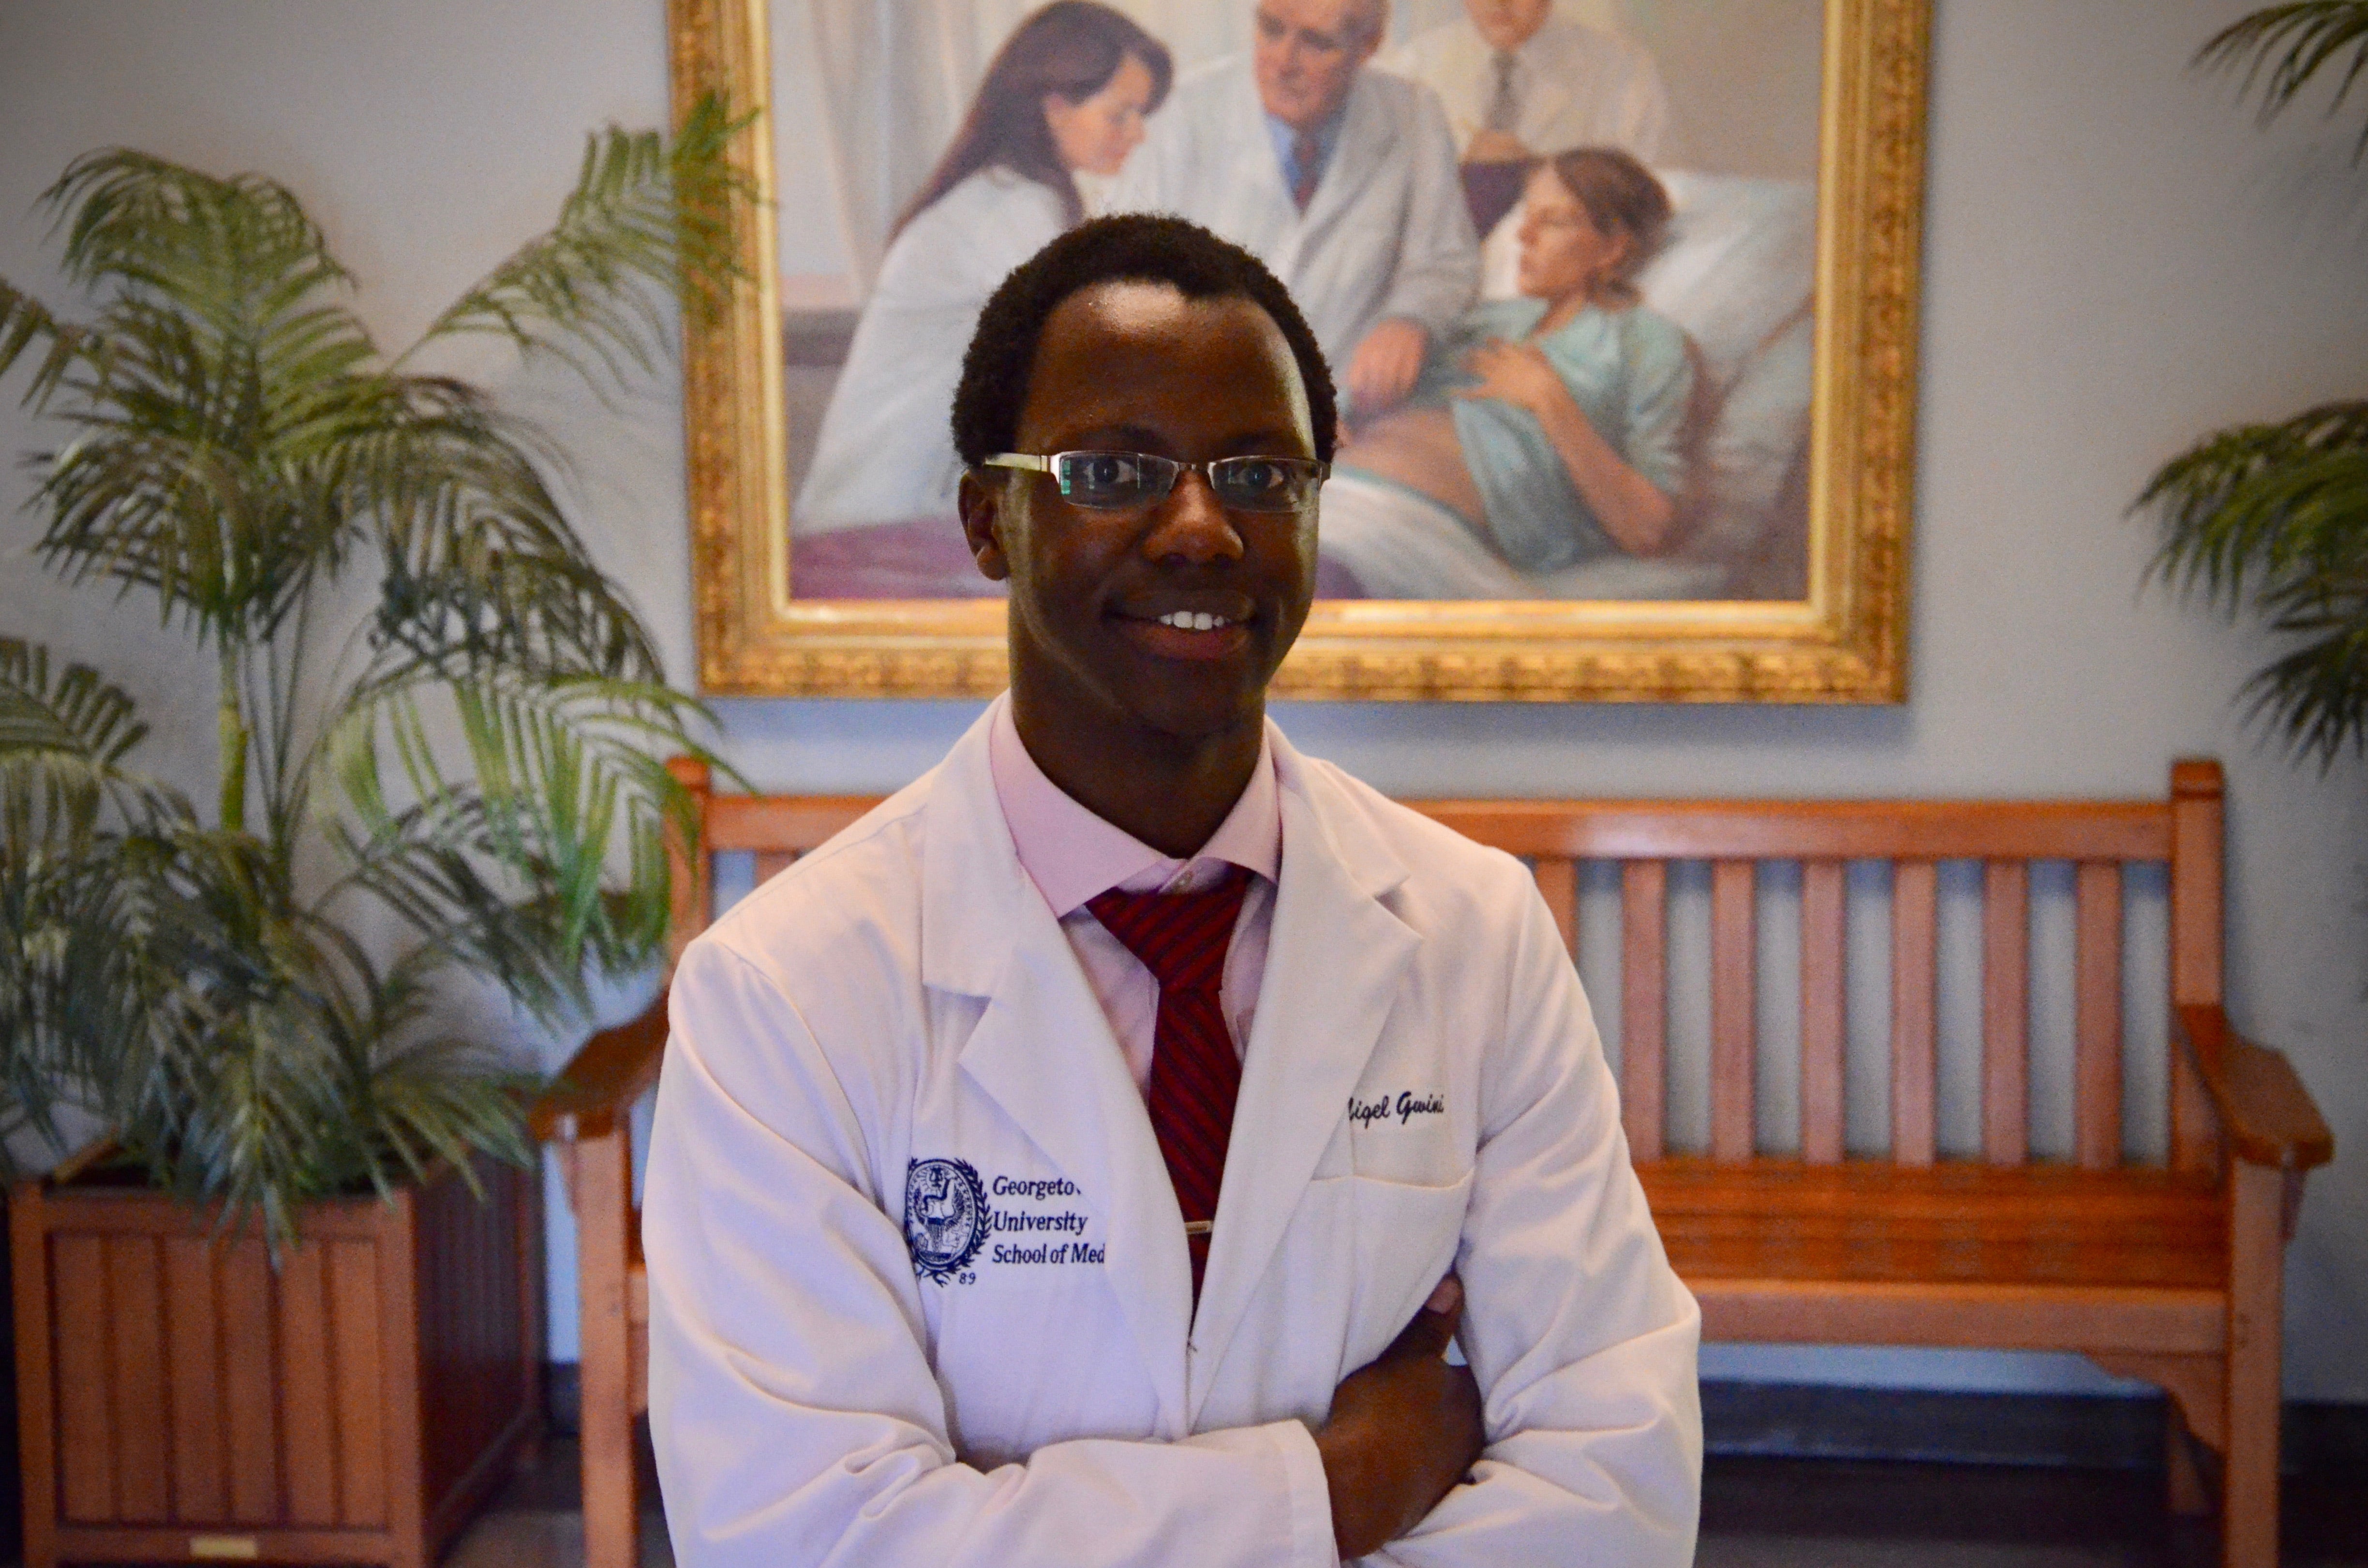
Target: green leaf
{"x":2282,"y":49}
{"x":511,"y":863}
{"x":2276,"y":517}
{"x":645,"y":220}
{"x":24,"y":322}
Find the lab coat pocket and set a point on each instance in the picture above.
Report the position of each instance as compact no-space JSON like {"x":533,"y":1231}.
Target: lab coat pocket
{"x":1406,"y":1235}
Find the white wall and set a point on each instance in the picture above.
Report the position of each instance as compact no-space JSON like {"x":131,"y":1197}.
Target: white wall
{"x":2118,"y":261}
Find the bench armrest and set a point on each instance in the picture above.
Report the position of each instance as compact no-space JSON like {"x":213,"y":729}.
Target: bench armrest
{"x":2269,"y":1116}
{"x":592,"y":1096}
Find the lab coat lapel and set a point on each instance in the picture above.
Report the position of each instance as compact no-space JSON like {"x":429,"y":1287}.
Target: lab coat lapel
{"x":1363,"y":148}
{"x":1271,"y":223}
{"x":1334,"y":960}
{"x":1043,"y":1050}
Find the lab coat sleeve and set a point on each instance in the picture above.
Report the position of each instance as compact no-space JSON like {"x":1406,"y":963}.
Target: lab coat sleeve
{"x":1438,"y":271}
{"x":1582,"y":1337}
{"x":795,"y":1413}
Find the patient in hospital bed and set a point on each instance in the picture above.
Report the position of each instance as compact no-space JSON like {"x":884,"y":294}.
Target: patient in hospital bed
{"x":1551,"y":427}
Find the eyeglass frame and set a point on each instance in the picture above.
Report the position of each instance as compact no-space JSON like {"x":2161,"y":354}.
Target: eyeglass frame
{"x":1048,"y":463}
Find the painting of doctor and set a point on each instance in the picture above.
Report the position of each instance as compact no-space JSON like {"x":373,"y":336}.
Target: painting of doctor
{"x":1066,"y":94}
{"x":1339,"y":177}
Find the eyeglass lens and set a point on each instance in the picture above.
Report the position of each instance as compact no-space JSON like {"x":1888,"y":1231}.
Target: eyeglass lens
{"x":1137,"y":479}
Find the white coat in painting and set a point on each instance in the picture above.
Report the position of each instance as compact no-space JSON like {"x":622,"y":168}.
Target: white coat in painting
{"x":918,"y":1284}
{"x":1387,"y":232}
{"x":885,"y":453}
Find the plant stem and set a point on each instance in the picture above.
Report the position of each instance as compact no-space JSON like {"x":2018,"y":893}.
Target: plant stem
{"x":232,"y":724}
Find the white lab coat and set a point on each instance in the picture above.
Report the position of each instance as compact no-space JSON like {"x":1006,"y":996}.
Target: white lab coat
{"x":1387,"y":232}
{"x":886,"y":1062}
{"x":885,"y":453}
{"x":1575,"y":85}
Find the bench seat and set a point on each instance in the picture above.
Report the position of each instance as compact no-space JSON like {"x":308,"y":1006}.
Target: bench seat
{"x":1875,"y":1223}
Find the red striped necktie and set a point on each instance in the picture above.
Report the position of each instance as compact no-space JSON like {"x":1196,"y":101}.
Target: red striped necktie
{"x":1196,"y":1075}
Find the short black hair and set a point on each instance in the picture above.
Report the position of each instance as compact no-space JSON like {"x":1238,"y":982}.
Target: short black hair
{"x":1133,"y":247}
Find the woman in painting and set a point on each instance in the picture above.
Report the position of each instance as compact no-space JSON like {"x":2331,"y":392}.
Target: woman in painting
{"x":1066,"y":94}
{"x":1545,"y":432}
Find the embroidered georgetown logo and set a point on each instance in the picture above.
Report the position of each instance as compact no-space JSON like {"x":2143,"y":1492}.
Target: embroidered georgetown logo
{"x":946,"y":1217}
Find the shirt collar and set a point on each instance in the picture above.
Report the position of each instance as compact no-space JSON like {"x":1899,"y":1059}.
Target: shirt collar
{"x":1285,"y":137}
{"x":1072,"y":854}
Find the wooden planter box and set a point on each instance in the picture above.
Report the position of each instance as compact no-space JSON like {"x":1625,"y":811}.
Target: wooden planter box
{"x":180,"y":1402}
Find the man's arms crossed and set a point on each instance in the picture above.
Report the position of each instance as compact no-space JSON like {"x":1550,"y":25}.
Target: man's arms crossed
{"x":797,"y":1415}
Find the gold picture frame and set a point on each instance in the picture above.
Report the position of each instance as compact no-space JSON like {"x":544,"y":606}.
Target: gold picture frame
{"x":1843,"y":641}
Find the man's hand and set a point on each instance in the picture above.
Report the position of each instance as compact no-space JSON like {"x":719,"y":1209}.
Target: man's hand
{"x":1403,"y":1431}
{"x":1382,"y":370}
{"x":1517,"y":373}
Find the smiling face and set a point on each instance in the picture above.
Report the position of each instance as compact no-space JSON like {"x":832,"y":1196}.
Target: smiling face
{"x":1563,"y":254}
{"x":1307,"y":56}
{"x":1508,"y":23}
{"x":1095,"y":134}
{"x":1099,"y":666}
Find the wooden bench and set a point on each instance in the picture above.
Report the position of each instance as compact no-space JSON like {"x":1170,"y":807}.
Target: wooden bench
{"x":2168,"y":1270}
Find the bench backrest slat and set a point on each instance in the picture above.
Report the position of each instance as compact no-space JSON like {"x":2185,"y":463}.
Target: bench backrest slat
{"x":1643,"y":1004}
{"x":1914,"y":1017}
{"x":1734,"y":961}
{"x":2006,"y":1012}
{"x":2097,"y":1015}
{"x":1824,"y":997}
{"x":1558,"y":885}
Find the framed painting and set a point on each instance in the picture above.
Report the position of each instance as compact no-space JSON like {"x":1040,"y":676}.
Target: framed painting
{"x":1743,"y":348}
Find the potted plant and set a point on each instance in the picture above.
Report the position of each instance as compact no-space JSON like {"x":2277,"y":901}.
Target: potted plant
{"x":286,"y":1308}
{"x":2277,"y":514}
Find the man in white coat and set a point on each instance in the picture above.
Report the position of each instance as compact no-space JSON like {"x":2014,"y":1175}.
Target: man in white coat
{"x":1341,"y":180}
{"x":938,"y":1272}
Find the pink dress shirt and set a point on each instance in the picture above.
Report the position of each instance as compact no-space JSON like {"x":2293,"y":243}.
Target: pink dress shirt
{"x":1072,"y":854}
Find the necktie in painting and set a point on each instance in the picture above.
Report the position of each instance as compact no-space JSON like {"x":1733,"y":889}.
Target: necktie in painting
{"x":1196,"y":1075}
{"x":1307,"y":163}
{"x":1505,"y":103}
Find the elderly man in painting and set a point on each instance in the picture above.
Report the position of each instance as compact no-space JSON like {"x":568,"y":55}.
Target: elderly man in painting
{"x":1519,"y":80}
{"x":1066,"y":94}
{"x":1340,"y":178}
{"x":1546,"y":432}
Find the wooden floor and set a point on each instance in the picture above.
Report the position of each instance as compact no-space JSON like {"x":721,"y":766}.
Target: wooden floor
{"x":1756,"y":1513}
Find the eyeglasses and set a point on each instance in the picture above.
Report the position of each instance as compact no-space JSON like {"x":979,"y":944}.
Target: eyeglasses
{"x":1119,"y":481}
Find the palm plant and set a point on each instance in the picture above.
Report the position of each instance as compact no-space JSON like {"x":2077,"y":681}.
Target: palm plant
{"x":2278,"y":513}
{"x":477,"y":758}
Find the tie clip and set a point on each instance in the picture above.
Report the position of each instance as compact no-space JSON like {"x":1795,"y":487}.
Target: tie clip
{"x":1199,"y":1227}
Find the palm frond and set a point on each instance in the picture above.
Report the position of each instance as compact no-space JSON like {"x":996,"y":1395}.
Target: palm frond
{"x":2262,"y":499}
{"x":2282,"y":49}
{"x":63,"y":739}
{"x":2276,"y":516}
{"x":543,"y":856}
{"x":24,"y":322}
{"x":482,"y":567}
{"x":646,"y":219}
{"x":229,"y":375}
{"x":75,"y":988}
{"x":233,"y":252}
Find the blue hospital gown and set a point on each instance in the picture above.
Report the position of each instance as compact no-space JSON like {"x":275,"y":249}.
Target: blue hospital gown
{"x":1629,"y":372}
